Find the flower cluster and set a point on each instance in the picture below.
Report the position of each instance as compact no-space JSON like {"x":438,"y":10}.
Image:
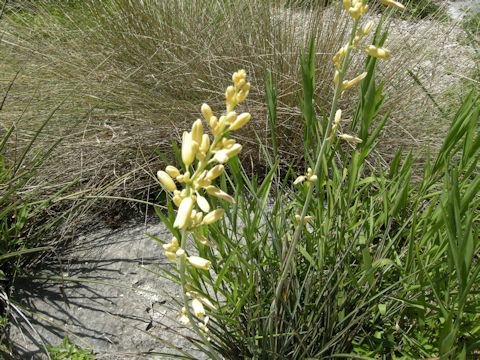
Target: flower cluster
{"x":203,"y":159}
{"x":356,"y":8}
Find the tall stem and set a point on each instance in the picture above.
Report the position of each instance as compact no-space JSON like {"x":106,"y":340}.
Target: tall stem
{"x":197,"y":330}
{"x":296,"y":236}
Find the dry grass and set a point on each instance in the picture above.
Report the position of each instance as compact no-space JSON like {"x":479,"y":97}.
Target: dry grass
{"x":144,"y":67}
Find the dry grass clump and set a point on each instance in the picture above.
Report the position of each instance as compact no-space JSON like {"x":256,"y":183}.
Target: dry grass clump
{"x":138,"y":69}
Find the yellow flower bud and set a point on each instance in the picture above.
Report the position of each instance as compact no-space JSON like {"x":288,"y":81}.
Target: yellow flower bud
{"x":367,"y":28}
{"x":197,"y":131}
{"x":172,"y":171}
{"x":198,"y":262}
{"x":312,"y":178}
{"x":180,"y":253}
{"x":203,"y":203}
{"x":338,"y":116}
{"x":213,"y":216}
{"x":347,"y":4}
{"x":205,"y":143}
{"x":239,"y":75}
{"x":243,"y":93}
{"x":350,"y":138}
{"x":177,"y":200}
{"x":335,"y":78}
{"x":206,"y":112}
{"x":230,"y":94}
{"x":393,"y":4}
{"x":214,"y":172}
{"x":377,"y":52}
{"x":173,"y":246}
{"x":188,"y":149}
{"x":208,"y":304}
{"x":204,"y":241}
{"x":241,"y":120}
{"x":234,"y":150}
{"x":170,"y":255}
{"x":214,"y":191}
{"x":305,"y":219}
{"x":231,"y":117}
{"x":197,"y":307}
{"x":221,"y":157}
{"x":184,"y":213}
{"x":298,"y":180}
{"x":166,"y":181}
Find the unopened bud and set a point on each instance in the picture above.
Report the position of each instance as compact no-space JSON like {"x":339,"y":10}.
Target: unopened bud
{"x":184,"y":213}
{"x":392,"y":3}
{"x":213,"y":216}
{"x":188,"y":154}
{"x":197,"y":131}
{"x":166,"y":181}
{"x":198,"y":262}
{"x":206,"y":112}
{"x":377,"y":52}
{"x":241,"y":120}
{"x":172,"y":171}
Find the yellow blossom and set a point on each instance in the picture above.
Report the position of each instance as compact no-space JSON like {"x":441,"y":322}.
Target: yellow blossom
{"x":184,"y":212}
{"x":199,"y":262}
{"x":240,"y":121}
{"x":378,"y":52}
{"x":393,"y":4}
{"x":214,"y":191}
{"x":203,"y":203}
{"x":350,"y":138}
{"x":204,"y":241}
{"x":188,"y":148}
{"x":197,"y":131}
{"x":206,"y":112}
{"x":213,"y":216}
{"x":170,"y":255}
{"x":166,"y":181}
{"x":215,"y":172}
{"x":198,"y":308}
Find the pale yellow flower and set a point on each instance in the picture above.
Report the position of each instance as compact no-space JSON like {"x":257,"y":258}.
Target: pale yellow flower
{"x":298,"y":180}
{"x":206,"y":112}
{"x":189,"y":148}
{"x":378,"y":52}
{"x":172,"y":171}
{"x":214,"y":191}
{"x":166,"y":181}
{"x":203,"y":203}
{"x":240,"y":121}
{"x":213,"y":216}
{"x":197,"y":131}
{"x":215,"y":172}
{"x":199,"y":262}
{"x":393,"y":4}
{"x":198,"y":308}
{"x":184,"y":213}
{"x":350,"y":138}
{"x":204,"y":241}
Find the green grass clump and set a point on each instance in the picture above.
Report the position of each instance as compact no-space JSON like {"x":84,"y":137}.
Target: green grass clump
{"x":344,"y":260}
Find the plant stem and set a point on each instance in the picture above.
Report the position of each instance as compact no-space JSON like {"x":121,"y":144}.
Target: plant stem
{"x":197,"y":330}
{"x":296,"y":236}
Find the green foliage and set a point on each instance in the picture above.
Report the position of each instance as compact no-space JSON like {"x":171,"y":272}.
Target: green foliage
{"x":67,"y":351}
{"x":386,"y":268}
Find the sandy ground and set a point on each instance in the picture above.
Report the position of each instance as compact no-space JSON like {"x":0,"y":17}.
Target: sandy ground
{"x":117,"y":322}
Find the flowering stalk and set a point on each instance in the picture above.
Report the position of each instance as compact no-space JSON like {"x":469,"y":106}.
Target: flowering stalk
{"x":356,"y":9}
{"x":316,"y":170}
{"x":198,"y":153}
